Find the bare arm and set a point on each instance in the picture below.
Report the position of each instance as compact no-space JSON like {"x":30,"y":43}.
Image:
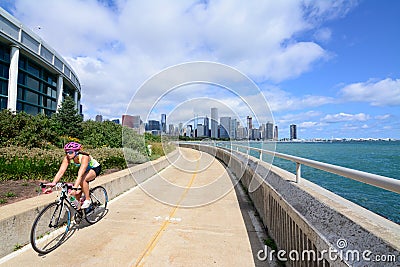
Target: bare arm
{"x":61,"y":171}
{"x":82,"y":170}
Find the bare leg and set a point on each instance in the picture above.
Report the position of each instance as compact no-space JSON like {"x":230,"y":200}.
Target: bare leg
{"x":87,"y":177}
{"x":79,"y":194}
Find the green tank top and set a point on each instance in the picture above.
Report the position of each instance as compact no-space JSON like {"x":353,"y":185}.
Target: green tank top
{"x":91,"y":165}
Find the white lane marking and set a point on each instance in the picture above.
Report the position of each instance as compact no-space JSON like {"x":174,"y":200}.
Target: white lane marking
{"x":167,"y":218}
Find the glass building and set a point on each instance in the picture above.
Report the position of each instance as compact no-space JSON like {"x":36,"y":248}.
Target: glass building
{"x":225,"y":123}
{"x":293,"y":132}
{"x":164,"y":123}
{"x":33,"y":77}
{"x":214,"y":123}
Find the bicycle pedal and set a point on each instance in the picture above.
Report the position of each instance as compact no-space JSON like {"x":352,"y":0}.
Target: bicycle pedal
{"x":78,"y":219}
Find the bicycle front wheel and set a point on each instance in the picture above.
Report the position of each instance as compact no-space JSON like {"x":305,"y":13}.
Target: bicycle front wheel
{"x":97,"y":209}
{"x":50,"y":227}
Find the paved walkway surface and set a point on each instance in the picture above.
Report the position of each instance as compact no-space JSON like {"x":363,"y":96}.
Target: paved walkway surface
{"x":187,"y":215}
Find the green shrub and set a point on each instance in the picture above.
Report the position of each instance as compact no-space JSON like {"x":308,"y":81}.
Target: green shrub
{"x":134,"y":156}
{"x":10,"y":194}
{"x":18,"y":163}
{"x":26,"y":130}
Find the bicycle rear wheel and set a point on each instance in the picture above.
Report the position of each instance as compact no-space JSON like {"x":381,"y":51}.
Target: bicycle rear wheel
{"x":97,"y":209}
{"x":50,"y":227}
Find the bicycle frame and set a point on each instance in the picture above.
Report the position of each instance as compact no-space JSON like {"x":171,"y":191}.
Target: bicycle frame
{"x":58,"y":216}
{"x":63,"y":198}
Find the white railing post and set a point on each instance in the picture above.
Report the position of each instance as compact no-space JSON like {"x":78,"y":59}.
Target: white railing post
{"x":298,"y":172}
{"x":261,"y":154}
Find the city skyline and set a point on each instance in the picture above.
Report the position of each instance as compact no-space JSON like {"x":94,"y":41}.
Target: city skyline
{"x":226,"y":127}
{"x":327,"y":66}
{"x":291,"y":131}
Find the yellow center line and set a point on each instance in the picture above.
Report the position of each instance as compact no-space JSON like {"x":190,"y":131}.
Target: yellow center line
{"x":153,"y":242}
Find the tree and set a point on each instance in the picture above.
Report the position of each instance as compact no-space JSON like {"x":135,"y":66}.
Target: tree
{"x":68,"y":119}
{"x":101,"y":134}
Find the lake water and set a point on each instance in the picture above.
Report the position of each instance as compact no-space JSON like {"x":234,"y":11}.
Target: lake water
{"x":378,"y":157}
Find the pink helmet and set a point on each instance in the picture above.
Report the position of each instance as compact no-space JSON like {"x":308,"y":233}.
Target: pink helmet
{"x":72,"y":146}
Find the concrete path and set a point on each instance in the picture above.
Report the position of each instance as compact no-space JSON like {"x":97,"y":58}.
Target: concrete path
{"x":187,"y":215}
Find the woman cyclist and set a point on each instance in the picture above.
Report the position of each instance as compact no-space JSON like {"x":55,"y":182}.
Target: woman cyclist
{"x":89,"y":169}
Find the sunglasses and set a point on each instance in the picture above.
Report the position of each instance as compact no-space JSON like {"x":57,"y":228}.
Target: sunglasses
{"x":70,"y":152}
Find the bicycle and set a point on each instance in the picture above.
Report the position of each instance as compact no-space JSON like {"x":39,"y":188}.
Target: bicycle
{"x":52,"y":224}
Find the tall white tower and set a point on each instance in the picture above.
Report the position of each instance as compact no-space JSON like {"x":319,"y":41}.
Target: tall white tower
{"x":214,"y":123}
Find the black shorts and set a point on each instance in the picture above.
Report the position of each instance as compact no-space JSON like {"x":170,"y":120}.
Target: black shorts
{"x":97,"y":170}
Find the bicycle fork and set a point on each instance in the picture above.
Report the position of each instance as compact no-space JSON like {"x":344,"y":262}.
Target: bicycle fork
{"x":57,"y":215}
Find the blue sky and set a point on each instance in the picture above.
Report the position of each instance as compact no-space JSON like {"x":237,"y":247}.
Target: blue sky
{"x":331,"y":67}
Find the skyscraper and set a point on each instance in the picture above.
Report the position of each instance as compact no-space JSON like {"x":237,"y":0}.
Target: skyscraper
{"x":276,"y":137}
{"x":269,"y":131}
{"x":189,"y":130}
{"x":249,"y":126}
{"x":225,"y":127}
{"x":241,"y":133}
{"x":180,"y":128}
{"x":200,"y":130}
{"x":249,"y":122}
{"x":293,"y":131}
{"x":131,"y":121}
{"x":128,"y":121}
{"x":233,"y":129}
{"x":163,"y":123}
{"x":206,"y":127}
{"x":99,"y":118}
{"x":171,"y":129}
{"x":214,"y":123}
{"x":153,"y":125}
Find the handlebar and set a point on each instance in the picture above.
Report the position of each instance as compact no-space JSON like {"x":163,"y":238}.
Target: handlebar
{"x":68,"y":187}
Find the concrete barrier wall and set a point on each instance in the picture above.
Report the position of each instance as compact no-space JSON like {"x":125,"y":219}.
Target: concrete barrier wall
{"x":304,"y":218}
{"x":16,"y":219}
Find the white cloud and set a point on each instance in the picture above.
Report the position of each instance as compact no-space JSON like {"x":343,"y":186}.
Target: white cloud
{"x":114,"y":50}
{"x":383,"y":117}
{"x":341,"y":117}
{"x":350,"y":127}
{"x":323,"y":35}
{"x":309,"y":124}
{"x":73,"y":27}
{"x":294,"y":118}
{"x":378,"y":93}
{"x":280,"y":100}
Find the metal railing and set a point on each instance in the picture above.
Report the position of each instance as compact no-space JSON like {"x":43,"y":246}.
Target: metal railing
{"x":387,"y":183}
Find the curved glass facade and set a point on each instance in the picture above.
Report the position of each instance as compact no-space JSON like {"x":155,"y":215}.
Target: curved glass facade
{"x":33,"y":77}
{"x":4,"y":67}
{"x":37,"y":88}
